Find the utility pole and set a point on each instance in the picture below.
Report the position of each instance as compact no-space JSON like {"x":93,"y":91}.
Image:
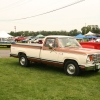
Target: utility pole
{"x":85,"y":28}
{"x":15,"y":28}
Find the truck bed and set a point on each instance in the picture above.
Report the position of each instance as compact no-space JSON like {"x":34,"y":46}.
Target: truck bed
{"x":29,"y":44}
{"x":33,"y":49}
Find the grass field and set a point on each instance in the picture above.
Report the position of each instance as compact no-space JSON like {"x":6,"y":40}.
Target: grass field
{"x":42,"y":82}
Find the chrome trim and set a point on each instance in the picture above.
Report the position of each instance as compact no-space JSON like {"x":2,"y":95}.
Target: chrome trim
{"x":96,"y":58}
{"x":92,"y":67}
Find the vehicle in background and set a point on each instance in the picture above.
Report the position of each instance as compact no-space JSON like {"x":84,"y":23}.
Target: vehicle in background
{"x":27,"y":39}
{"x":98,"y":40}
{"x":19,"y":38}
{"x":7,"y":42}
{"x":92,"y":45}
{"x":38,"y":40}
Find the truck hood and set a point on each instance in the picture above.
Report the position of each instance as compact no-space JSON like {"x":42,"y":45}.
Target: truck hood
{"x":81,"y":50}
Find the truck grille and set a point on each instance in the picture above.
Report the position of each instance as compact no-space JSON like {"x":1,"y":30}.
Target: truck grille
{"x":96,"y":58}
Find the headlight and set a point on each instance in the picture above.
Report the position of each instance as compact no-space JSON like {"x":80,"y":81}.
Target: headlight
{"x":89,"y":59}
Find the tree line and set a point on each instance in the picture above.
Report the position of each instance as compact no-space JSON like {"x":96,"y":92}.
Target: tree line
{"x":74,"y":32}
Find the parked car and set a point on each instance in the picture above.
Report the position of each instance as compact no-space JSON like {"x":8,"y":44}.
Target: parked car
{"x":98,"y":40}
{"x":37,"y":40}
{"x":19,"y":38}
{"x":7,"y":42}
{"x":27,"y":39}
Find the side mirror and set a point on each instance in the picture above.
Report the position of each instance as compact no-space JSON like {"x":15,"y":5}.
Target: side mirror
{"x":50,"y":46}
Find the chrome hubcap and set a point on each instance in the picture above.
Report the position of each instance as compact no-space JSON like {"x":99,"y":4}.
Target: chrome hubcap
{"x":71,"y":69}
{"x":22,"y":61}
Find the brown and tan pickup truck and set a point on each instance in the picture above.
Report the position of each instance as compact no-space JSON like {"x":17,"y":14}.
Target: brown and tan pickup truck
{"x":57,"y":50}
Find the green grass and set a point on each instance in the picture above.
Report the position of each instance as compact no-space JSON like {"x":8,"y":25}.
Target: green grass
{"x":42,"y":82}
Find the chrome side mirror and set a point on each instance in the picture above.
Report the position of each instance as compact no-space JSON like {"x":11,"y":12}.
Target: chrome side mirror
{"x":50,"y":46}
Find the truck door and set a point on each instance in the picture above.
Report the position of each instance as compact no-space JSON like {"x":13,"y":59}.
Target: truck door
{"x":49,"y":55}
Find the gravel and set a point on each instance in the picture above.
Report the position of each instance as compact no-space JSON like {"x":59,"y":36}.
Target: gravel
{"x":4,"y":53}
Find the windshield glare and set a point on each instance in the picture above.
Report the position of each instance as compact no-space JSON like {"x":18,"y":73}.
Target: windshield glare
{"x":68,"y":42}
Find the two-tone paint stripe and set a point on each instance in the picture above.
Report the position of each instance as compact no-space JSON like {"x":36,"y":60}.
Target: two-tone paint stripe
{"x":34,"y":59}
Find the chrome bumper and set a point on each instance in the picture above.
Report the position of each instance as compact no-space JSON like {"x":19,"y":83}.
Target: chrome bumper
{"x":90,"y":66}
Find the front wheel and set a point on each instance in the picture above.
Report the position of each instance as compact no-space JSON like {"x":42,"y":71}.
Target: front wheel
{"x":71,"y":68}
{"x":23,"y":61}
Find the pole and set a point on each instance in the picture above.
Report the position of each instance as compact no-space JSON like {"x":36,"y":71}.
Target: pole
{"x":85,"y":28}
{"x":15,"y":28}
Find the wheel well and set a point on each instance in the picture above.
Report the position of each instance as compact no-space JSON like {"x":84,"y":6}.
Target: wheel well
{"x":69,"y":60}
{"x":21,"y":53}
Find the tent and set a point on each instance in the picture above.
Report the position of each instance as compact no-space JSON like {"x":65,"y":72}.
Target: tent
{"x":79,"y":36}
{"x":39,"y":36}
{"x":3,"y":34}
{"x":90,"y":33}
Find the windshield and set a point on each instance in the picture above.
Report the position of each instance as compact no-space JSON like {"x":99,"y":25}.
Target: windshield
{"x":68,"y":42}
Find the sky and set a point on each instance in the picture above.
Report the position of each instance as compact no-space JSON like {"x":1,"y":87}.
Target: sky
{"x":39,"y":15}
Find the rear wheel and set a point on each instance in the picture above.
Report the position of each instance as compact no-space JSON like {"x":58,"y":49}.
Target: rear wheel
{"x":23,"y":61}
{"x":71,"y":68}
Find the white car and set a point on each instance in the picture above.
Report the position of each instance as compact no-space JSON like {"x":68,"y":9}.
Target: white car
{"x":98,"y":40}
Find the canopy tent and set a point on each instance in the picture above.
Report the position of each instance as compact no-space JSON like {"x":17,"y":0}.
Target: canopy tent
{"x":40,"y":35}
{"x":90,"y":33}
{"x":3,"y":34}
{"x":79,"y":36}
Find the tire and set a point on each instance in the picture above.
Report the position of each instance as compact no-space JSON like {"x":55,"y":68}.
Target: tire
{"x":71,"y":68}
{"x":23,"y":61}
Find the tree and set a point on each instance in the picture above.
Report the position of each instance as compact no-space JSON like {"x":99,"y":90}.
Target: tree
{"x":84,"y":30}
{"x":92,"y":29}
{"x":74,"y":32}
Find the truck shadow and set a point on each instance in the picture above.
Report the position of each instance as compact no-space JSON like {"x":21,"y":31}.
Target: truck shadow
{"x":44,"y":67}
{"x":49,"y":68}
{"x":57,"y":70}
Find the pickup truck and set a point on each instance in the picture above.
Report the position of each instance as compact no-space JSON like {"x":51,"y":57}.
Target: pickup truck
{"x":61,"y":51}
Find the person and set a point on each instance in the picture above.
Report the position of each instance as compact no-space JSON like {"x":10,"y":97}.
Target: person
{"x":92,"y":40}
{"x":29,"y":41}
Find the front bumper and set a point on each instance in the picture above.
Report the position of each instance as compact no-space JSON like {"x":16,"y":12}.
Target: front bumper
{"x":90,"y":66}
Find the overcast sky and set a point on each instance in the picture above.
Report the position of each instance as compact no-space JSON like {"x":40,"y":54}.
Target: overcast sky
{"x":72,"y":17}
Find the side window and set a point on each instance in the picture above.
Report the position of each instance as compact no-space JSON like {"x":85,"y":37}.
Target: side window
{"x":50,"y":41}
{"x":47,"y":42}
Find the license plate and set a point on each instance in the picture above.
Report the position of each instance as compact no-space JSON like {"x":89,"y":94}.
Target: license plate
{"x":99,"y":66}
